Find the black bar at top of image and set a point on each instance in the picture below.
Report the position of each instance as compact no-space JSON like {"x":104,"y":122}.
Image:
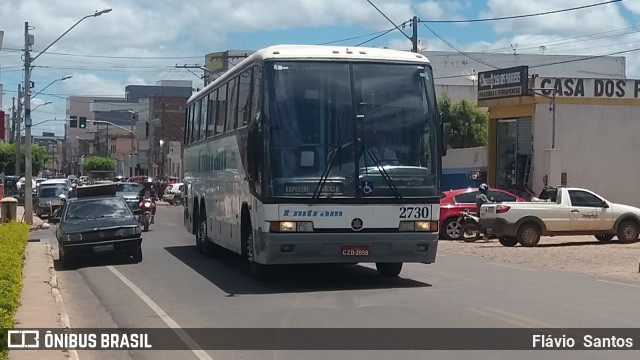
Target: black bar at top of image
{"x":368,"y":339}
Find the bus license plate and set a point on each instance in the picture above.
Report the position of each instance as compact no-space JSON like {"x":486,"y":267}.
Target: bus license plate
{"x":355,"y":250}
{"x":103,"y":248}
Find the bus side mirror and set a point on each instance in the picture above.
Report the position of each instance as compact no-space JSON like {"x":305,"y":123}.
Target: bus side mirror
{"x":444,"y":137}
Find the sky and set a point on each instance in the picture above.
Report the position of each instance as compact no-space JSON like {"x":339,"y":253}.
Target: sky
{"x":141,"y":41}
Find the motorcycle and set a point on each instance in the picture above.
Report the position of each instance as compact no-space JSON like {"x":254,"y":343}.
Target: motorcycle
{"x":145,"y":215}
{"x":470,"y":226}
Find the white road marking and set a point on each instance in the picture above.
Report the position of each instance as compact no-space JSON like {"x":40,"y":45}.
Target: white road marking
{"x":195,"y":348}
{"x":618,"y":283}
{"x":513,"y":267}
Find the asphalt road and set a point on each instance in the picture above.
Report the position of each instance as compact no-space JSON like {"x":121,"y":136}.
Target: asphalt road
{"x":175,"y":286}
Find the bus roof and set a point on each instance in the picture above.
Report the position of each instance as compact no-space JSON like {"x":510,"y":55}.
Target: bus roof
{"x":315,"y":52}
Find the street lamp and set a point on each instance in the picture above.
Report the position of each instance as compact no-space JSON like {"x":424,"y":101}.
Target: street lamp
{"x":161,"y":158}
{"x":43,"y":104}
{"x":28,"y":41}
{"x":51,"y":83}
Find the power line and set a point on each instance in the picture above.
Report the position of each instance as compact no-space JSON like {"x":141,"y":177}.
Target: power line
{"x":373,"y":38}
{"x":355,"y":37}
{"x":522,"y":16}
{"x":558,"y":62}
{"x":586,"y":58}
{"x":115,"y":57}
{"x":456,"y":49}
{"x":386,"y":17}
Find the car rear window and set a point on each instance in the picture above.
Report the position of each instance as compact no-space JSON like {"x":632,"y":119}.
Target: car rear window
{"x":127,"y":187}
{"x":498,"y":196}
{"x":114,"y":207}
{"x":466,"y":198}
{"x":52,"y":191}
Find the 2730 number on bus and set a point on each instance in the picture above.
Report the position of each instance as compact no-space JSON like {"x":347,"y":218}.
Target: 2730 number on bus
{"x":414,"y":212}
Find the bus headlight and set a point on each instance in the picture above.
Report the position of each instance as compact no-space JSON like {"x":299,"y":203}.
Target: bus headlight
{"x":421,"y":226}
{"x":291,"y":226}
{"x":283,"y":226}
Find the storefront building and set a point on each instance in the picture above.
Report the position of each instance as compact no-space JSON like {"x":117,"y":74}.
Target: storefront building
{"x":582,"y":132}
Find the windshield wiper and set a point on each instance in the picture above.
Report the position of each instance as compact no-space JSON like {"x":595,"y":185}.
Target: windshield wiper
{"x":384,"y":174}
{"x":327,"y":169}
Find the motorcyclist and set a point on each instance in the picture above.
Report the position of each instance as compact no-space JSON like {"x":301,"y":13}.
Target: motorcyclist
{"x":149,"y":192}
{"x":482,"y":197}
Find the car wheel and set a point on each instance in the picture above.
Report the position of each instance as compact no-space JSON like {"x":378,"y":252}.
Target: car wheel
{"x":605,"y":238}
{"x":451,"y":229}
{"x":529,"y":235}
{"x":389,"y":269}
{"x":628,"y":232}
{"x":137,"y":256}
{"x":508,"y":241}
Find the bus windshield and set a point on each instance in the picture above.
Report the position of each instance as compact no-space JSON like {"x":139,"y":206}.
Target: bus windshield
{"x":350,"y":130}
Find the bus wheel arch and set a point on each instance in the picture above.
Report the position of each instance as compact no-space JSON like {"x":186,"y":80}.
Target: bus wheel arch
{"x":258,"y":271}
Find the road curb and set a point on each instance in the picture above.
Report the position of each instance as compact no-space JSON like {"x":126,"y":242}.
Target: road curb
{"x":64,"y":316}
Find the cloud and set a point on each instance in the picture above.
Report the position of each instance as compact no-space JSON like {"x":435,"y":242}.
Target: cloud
{"x":597,"y":18}
{"x":633,"y":6}
{"x":94,"y":85}
{"x":449,"y":10}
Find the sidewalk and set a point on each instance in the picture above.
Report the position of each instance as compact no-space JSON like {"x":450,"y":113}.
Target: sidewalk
{"x":37,"y":222}
{"x":41,"y":305}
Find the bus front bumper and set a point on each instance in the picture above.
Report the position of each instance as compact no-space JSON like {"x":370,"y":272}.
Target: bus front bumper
{"x":341,"y":248}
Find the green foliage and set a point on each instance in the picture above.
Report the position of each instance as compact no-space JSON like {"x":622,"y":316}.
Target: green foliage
{"x":468,"y":123}
{"x":99,"y":163}
{"x":13,"y":240}
{"x":39,"y":157}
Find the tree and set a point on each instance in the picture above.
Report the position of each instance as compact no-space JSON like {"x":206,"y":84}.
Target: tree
{"x":99,"y":163}
{"x":468,"y":123}
{"x":39,"y":157}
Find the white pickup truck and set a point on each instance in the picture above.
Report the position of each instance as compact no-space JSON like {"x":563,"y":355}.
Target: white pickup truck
{"x":573,"y":211}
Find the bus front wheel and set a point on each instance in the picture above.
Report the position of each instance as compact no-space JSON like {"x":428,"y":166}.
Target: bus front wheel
{"x":389,"y":269}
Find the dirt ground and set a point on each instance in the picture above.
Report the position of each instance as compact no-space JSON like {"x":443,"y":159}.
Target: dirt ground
{"x":582,"y":254}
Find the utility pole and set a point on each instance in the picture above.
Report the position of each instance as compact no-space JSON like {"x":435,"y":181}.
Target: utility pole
{"x":28,"y":202}
{"x":414,"y":37}
{"x":18,"y":121}
{"x":12,"y":132}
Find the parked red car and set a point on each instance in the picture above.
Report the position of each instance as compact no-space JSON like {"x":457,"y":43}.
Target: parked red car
{"x":452,"y":202}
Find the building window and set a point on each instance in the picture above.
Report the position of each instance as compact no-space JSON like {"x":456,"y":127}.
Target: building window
{"x":74,"y":121}
{"x":113,"y":148}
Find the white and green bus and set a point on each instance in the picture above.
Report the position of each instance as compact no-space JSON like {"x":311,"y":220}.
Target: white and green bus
{"x":317,"y":154}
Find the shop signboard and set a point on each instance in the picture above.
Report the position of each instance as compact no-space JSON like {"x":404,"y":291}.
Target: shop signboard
{"x":503,"y":83}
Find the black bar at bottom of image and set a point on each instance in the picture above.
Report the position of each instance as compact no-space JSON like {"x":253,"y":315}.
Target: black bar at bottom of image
{"x":324,"y":339}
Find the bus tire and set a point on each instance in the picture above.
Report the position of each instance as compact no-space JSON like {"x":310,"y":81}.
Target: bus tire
{"x":196,"y":228}
{"x":389,"y":269}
